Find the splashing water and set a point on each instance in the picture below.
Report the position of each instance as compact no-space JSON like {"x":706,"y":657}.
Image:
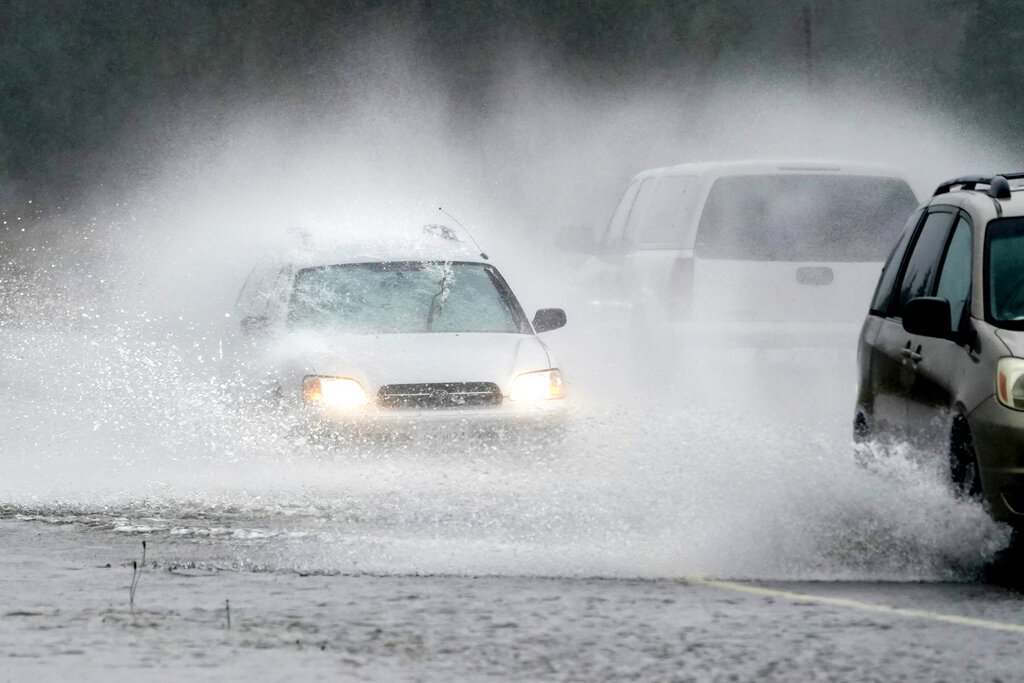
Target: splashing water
{"x":129,"y":428}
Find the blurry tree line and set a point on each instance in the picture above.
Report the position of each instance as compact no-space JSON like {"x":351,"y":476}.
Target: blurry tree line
{"x":77,"y":75}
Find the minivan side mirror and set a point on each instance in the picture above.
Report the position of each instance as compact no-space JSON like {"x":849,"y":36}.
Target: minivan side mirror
{"x":547,"y":319}
{"x":928,"y":316}
{"x":576,"y":238}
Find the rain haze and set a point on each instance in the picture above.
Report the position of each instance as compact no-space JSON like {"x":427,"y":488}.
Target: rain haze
{"x":162,"y":516}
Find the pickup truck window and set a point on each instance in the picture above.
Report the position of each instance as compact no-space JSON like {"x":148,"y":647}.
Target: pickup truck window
{"x":617,"y":225}
{"x":803,"y":217}
{"x":661,"y":212}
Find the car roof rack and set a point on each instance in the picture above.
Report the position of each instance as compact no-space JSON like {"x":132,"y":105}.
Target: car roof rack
{"x":998,"y":185}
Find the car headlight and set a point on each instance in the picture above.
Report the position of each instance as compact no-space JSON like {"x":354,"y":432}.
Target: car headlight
{"x":537,"y":386}
{"x":1010,"y":382}
{"x":333,"y":391}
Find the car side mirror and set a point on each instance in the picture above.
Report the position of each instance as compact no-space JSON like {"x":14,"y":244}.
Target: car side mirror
{"x":255,"y":325}
{"x":547,"y":319}
{"x":576,"y":238}
{"x":928,"y":316}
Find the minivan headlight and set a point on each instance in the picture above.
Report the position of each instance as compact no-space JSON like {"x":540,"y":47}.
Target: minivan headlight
{"x":333,"y":391}
{"x":537,"y":386}
{"x":1010,"y":382}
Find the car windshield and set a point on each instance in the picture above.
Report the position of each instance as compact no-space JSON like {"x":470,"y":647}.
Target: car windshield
{"x":1004,"y":251}
{"x":803,"y":217}
{"x":402,"y":297}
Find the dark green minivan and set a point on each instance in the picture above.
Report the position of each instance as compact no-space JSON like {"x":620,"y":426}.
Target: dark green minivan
{"x":941,"y":353}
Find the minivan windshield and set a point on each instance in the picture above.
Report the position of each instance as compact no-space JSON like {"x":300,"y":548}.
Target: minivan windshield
{"x":793,"y":217}
{"x":404,"y":297}
{"x":1004,"y":268}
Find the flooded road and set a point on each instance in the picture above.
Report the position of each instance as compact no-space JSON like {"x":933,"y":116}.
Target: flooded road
{"x":200,"y":613}
{"x":427,"y":557}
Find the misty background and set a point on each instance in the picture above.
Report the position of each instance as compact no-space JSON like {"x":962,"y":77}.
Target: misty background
{"x":98,"y":91}
{"x":150,"y":154}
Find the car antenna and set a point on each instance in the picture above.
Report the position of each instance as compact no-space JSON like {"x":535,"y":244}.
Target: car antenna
{"x":468,"y":234}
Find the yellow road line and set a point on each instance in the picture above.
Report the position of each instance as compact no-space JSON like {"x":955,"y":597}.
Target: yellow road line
{"x":855,"y":604}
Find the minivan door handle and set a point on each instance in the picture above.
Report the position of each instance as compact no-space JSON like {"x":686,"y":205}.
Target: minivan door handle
{"x":912,"y":355}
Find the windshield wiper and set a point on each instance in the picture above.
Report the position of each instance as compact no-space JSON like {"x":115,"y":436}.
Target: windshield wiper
{"x":438,"y":301}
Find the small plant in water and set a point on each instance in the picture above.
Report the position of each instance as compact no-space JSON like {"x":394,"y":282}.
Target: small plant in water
{"x":136,"y":575}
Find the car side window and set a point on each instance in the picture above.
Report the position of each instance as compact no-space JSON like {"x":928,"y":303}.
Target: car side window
{"x":617,"y":225}
{"x":883,"y":293}
{"x":955,"y":276}
{"x":923,"y":265}
{"x":278,"y":293}
{"x":258,"y":292}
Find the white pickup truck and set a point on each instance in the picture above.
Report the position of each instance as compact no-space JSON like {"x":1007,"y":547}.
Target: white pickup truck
{"x":745,"y":254}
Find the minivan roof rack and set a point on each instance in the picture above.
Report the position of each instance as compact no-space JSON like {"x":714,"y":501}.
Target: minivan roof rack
{"x":998,"y":186}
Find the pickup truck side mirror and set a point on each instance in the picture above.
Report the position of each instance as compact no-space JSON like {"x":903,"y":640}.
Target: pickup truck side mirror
{"x":547,"y":319}
{"x":576,"y":238}
{"x":928,"y":316}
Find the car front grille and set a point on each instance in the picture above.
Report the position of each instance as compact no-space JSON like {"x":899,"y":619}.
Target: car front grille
{"x":439,"y":395}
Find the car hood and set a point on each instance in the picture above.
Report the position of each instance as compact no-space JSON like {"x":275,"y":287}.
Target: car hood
{"x":1014,"y":340}
{"x":375,"y":360}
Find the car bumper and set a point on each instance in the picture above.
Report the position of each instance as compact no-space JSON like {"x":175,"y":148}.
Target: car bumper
{"x":998,"y":434}
{"x":509,"y":416}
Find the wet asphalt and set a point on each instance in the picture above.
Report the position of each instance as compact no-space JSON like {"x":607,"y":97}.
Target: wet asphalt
{"x":66,"y":612}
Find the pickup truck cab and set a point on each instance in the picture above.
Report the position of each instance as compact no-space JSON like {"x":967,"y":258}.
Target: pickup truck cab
{"x":745,"y":254}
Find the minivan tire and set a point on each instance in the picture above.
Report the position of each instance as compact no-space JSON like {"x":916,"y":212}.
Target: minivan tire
{"x":861,"y":431}
{"x":963,"y":461}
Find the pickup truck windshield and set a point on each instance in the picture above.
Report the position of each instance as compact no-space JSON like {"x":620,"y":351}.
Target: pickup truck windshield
{"x":403,"y":297}
{"x":803,"y":217}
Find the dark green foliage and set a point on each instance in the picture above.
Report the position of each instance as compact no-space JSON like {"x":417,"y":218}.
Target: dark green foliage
{"x":78,"y":77}
{"x":990,"y":73}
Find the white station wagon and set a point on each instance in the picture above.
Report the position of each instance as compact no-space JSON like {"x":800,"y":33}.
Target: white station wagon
{"x":386,"y":335}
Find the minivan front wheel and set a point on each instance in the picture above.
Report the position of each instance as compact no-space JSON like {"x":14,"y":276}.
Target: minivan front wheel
{"x":861,"y":431}
{"x":963,"y":462}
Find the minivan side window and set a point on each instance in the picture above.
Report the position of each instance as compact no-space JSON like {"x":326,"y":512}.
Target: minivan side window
{"x":955,"y":276}
{"x":617,"y":225}
{"x":883,"y":293}
{"x":923,"y":265}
